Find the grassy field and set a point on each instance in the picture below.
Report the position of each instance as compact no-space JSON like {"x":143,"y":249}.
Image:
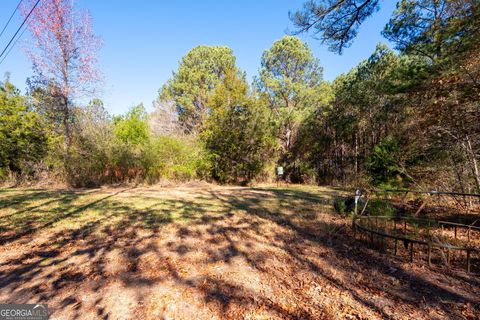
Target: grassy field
{"x":201,"y":251}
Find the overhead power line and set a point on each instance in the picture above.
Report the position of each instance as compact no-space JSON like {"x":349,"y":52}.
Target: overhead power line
{"x":9,"y":19}
{"x":13,"y":45}
{"x":24,"y":20}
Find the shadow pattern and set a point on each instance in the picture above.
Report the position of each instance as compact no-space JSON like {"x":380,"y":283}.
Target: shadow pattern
{"x":209,"y":253}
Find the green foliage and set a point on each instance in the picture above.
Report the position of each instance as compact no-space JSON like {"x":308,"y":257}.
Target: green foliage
{"x":391,"y":121}
{"x":290,"y":79}
{"x":335,"y":140}
{"x":383,"y":162}
{"x":91,"y":153}
{"x":175,"y":158}
{"x":23,"y":134}
{"x":109,"y":150}
{"x":132,"y":128}
{"x":290,"y":76}
{"x":432,"y":28}
{"x":238,"y":133}
{"x":379,"y":207}
{"x":429,"y":28}
{"x":190,"y":87}
{"x":339,"y":205}
{"x":122,"y":150}
{"x":44,"y":100}
{"x":335,"y":22}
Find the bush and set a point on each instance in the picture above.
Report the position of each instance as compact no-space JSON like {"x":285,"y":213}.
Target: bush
{"x":238,"y":133}
{"x":174,"y":158}
{"x":378,"y":207}
{"x":339,"y":205}
{"x":383,"y":164}
{"x":23,"y":134}
{"x":344,"y":205}
{"x":123,"y":150}
{"x":89,"y":160}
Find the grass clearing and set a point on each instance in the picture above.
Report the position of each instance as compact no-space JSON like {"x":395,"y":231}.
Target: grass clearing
{"x":209,"y":252}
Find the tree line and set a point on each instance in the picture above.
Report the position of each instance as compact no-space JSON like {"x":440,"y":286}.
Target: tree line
{"x":400,"y":118}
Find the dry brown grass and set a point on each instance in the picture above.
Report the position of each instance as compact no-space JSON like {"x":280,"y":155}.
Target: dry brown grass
{"x":209,"y":252}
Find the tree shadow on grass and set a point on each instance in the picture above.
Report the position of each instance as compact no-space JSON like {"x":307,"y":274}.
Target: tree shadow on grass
{"x":28,"y":224}
{"x":274,"y":242}
{"x":17,"y":200}
{"x":361,"y":261}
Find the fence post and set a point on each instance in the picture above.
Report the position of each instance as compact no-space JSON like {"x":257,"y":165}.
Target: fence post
{"x":357,"y":197}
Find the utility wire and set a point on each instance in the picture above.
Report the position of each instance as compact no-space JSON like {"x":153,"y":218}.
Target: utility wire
{"x":13,"y":13}
{"x":24,"y":20}
{"x":8,"y":52}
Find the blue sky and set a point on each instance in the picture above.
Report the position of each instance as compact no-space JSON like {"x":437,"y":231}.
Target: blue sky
{"x":144,"y":40}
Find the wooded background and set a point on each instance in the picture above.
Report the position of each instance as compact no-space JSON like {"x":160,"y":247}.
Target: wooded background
{"x":407,"y":117}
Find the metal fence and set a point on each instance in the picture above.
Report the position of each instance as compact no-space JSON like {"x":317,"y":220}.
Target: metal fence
{"x":418,"y":235}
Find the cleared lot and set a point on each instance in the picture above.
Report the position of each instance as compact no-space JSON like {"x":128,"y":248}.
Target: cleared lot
{"x":208,"y":252}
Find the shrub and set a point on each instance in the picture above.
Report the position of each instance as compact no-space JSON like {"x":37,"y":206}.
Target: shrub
{"x":378,"y":207}
{"x":238,"y":133}
{"x":339,"y":205}
{"x":174,"y":158}
{"x":383,"y":164}
{"x":91,"y":153}
{"x":23,"y":134}
{"x":344,"y":205}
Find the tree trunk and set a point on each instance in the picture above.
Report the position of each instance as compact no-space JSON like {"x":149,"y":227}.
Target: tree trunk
{"x":473,"y":163}
{"x":66,"y":123}
{"x":356,"y":155}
